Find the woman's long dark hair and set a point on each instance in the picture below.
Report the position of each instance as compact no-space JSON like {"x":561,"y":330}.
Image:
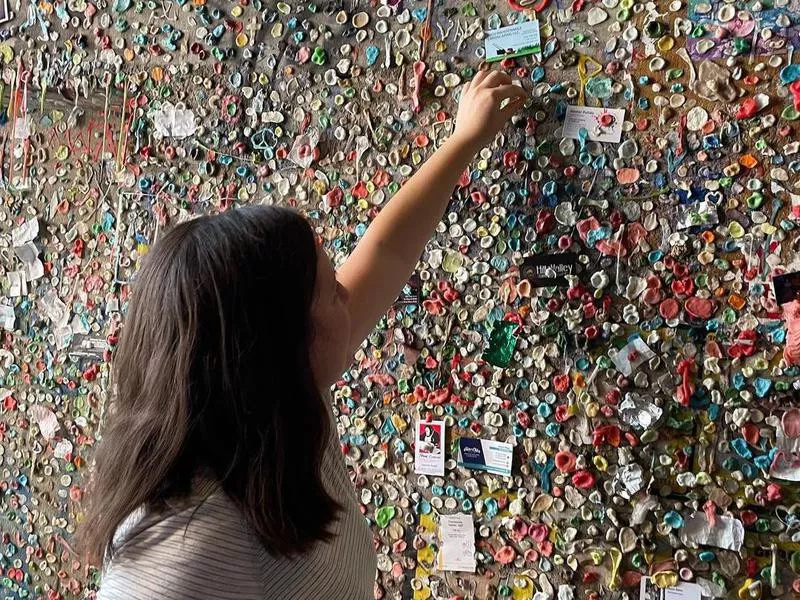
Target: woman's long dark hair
{"x":213,"y":378}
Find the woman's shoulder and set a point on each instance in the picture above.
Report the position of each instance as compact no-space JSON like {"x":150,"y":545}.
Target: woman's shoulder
{"x":207,"y":516}
{"x":187,"y":550}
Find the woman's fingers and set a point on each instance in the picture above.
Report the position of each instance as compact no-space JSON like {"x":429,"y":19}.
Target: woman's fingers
{"x":480,"y":76}
{"x":512,"y":106}
{"x":496,"y":78}
{"x":507,"y":91}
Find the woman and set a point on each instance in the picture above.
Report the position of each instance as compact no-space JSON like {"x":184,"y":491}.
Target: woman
{"x":431,"y":437}
{"x":220,"y":475}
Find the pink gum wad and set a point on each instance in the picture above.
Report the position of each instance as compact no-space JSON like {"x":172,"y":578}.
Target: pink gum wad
{"x":791,"y":312}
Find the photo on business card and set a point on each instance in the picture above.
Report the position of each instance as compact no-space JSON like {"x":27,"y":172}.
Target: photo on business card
{"x":649,"y":590}
{"x":429,"y":438}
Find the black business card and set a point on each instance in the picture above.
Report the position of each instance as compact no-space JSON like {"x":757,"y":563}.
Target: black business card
{"x":547,"y":270}
{"x":787,"y":287}
{"x":410,"y":294}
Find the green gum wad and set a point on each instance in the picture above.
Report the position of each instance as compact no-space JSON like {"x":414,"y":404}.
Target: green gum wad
{"x":755,"y":200}
{"x":319,"y":56}
{"x":383,"y":515}
{"x":790,"y":113}
{"x":765,"y":574}
{"x":550,"y":329}
{"x":741,"y":45}
{"x":794,"y":562}
{"x":599,"y":87}
{"x":674,"y":74}
{"x":624,"y":12}
{"x":501,"y":344}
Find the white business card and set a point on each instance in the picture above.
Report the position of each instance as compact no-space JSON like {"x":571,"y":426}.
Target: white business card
{"x":429,"y":448}
{"x":600,"y":124}
{"x":515,"y":40}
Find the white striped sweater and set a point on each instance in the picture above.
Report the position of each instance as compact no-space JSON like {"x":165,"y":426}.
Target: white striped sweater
{"x":207,"y":551}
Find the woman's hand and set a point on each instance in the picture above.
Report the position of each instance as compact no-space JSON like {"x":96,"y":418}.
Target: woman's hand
{"x":479,"y":115}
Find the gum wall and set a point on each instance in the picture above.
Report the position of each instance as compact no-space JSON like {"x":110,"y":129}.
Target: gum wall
{"x":649,"y":393}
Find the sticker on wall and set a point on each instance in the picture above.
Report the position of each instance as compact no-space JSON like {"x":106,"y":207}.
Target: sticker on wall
{"x":632,"y":355}
{"x":699,"y":214}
